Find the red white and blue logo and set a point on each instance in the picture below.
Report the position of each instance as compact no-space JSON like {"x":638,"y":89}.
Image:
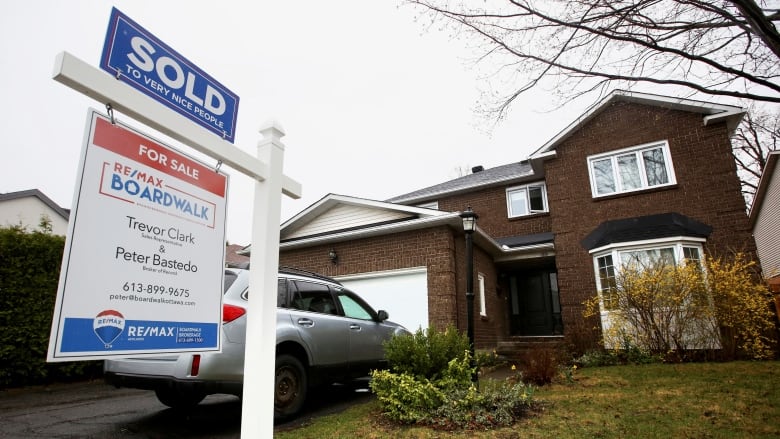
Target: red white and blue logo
{"x":108,"y":326}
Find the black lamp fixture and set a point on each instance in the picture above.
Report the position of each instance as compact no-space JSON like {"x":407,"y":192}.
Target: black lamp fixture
{"x":469,"y":225}
{"x":469,"y":220}
{"x":333,"y":256}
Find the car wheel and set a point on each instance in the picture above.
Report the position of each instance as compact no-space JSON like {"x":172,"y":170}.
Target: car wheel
{"x":290,"y":386}
{"x":179,"y":399}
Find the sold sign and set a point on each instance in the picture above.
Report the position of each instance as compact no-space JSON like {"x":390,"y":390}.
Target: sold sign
{"x":136,"y":57}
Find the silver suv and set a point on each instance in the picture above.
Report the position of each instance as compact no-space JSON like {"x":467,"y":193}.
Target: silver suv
{"x":324,"y":334}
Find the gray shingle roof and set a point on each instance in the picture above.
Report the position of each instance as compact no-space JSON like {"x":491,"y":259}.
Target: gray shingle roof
{"x":64,"y":213}
{"x":489,"y":177}
{"x":642,"y":228}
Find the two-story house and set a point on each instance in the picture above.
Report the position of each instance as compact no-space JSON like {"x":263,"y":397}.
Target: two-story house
{"x":636,"y":176}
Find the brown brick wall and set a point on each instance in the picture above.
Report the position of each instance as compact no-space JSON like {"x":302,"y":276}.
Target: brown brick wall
{"x":490,"y":329}
{"x":490,"y":205}
{"x":707,"y":189}
{"x":432,"y":248}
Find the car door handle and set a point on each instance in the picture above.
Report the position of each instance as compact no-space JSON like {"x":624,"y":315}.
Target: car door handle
{"x":355,"y":327}
{"x":306,"y":322}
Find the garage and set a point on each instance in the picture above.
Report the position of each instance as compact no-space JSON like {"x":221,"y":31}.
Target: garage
{"x":402,"y":293}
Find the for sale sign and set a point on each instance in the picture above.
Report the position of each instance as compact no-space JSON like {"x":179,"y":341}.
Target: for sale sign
{"x":142,"y":269}
{"x":137,"y":57}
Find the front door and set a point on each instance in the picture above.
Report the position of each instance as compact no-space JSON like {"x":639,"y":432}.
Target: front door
{"x":534,"y":304}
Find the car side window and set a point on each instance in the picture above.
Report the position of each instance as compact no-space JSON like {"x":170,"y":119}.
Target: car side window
{"x":313,"y":297}
{"x":281,"y":293}
{"x":352,"y":308}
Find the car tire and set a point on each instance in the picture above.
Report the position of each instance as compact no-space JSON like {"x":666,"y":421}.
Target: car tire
{"x":179,"y":399}
{"x":290,"y":386}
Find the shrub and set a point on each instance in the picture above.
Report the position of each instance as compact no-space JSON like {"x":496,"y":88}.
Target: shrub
{"x":29,"y":272}
{"x":451,"y":401}
{"x":491,"y":406}
{"x":742,"y":306}
{"x":403,"y":397}
{"x":487,"y":359}
{"x":540,"y":366}
{"x":426,"y":353}
{"x":673,"y":309}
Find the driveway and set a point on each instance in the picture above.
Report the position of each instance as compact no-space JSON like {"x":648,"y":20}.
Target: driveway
{"x":96,"y":410}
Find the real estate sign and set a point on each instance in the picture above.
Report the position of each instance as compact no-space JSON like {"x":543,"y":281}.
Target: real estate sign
{"x":138,"y":58}
{"x":143,"y":266}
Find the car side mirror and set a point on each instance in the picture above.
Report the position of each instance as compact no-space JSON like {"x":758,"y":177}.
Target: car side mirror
{"x":382,"y":315}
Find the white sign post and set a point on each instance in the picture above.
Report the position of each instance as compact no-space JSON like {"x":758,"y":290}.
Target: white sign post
{"x":142,"y":269}
{"x":260,"y":349}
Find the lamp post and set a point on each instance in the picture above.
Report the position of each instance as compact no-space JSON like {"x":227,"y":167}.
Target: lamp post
{"x":469,"y":225}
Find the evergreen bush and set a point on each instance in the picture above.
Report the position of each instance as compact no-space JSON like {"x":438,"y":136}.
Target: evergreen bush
{"x":29,"y":273}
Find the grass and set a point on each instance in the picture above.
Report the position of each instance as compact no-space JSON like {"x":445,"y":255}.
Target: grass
{"x":702,"y":400}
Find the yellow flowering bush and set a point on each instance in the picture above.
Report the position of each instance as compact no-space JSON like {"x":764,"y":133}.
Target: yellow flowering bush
{"x":670,"y":309}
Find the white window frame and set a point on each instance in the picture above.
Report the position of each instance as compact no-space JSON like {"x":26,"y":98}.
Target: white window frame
{"x":637,"y":152}
{"x":678,"y":244}
{"x":481,"y":287}
{"x":525,"y":188}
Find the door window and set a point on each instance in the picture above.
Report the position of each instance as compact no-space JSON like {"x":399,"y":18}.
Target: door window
{"x":313,"y":297}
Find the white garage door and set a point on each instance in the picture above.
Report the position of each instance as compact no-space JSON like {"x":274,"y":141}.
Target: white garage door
{"x":402,"y":293}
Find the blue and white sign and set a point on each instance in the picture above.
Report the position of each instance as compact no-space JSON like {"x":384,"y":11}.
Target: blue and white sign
{"x":137,"y":57}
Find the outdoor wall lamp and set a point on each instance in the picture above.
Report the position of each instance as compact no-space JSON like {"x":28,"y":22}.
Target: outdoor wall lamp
{"x":469,"y":225}
{"x":333,"y":256}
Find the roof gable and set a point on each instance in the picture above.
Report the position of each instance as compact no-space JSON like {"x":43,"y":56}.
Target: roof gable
{"x":335,"y":213}
{"x":64,"y":213}
{"x":712,"y":113}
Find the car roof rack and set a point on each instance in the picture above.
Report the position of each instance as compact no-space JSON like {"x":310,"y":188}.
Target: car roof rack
{"x":288,"y":270}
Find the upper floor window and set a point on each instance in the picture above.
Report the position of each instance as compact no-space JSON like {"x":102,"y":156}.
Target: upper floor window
{"x":525,"y":200}
{"x":632,"y":169}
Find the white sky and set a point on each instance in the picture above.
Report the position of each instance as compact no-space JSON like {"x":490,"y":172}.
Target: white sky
{"x":373,"y":105}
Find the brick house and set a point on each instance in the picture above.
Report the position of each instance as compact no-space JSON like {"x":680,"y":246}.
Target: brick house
{"x":637,"y":176}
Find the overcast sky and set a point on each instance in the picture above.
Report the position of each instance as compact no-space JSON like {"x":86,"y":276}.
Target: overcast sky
{"x":373,"y":105}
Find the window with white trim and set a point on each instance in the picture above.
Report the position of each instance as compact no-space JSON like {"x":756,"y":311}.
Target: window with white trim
{"x":481,"y":286}
{"x":672,"y":252}
{"x":631,"y":169}
{"x":526,"y":200}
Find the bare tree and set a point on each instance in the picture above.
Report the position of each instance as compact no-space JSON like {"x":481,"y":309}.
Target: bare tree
{"x":727,"y":48}
{"x":755,"y":137}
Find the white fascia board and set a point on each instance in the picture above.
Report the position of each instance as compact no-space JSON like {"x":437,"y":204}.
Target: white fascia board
{"x":712,"y":112}
{"x":452,"y":219}
{"x":733,"y":117}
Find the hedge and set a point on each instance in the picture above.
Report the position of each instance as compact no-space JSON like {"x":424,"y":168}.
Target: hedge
{"x":29,"y":273}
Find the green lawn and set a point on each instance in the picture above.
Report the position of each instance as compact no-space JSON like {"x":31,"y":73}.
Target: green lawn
{"x":696,"y":400}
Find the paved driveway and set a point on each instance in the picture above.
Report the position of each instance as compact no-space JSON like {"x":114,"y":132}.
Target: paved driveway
{"x":96,"y":410}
